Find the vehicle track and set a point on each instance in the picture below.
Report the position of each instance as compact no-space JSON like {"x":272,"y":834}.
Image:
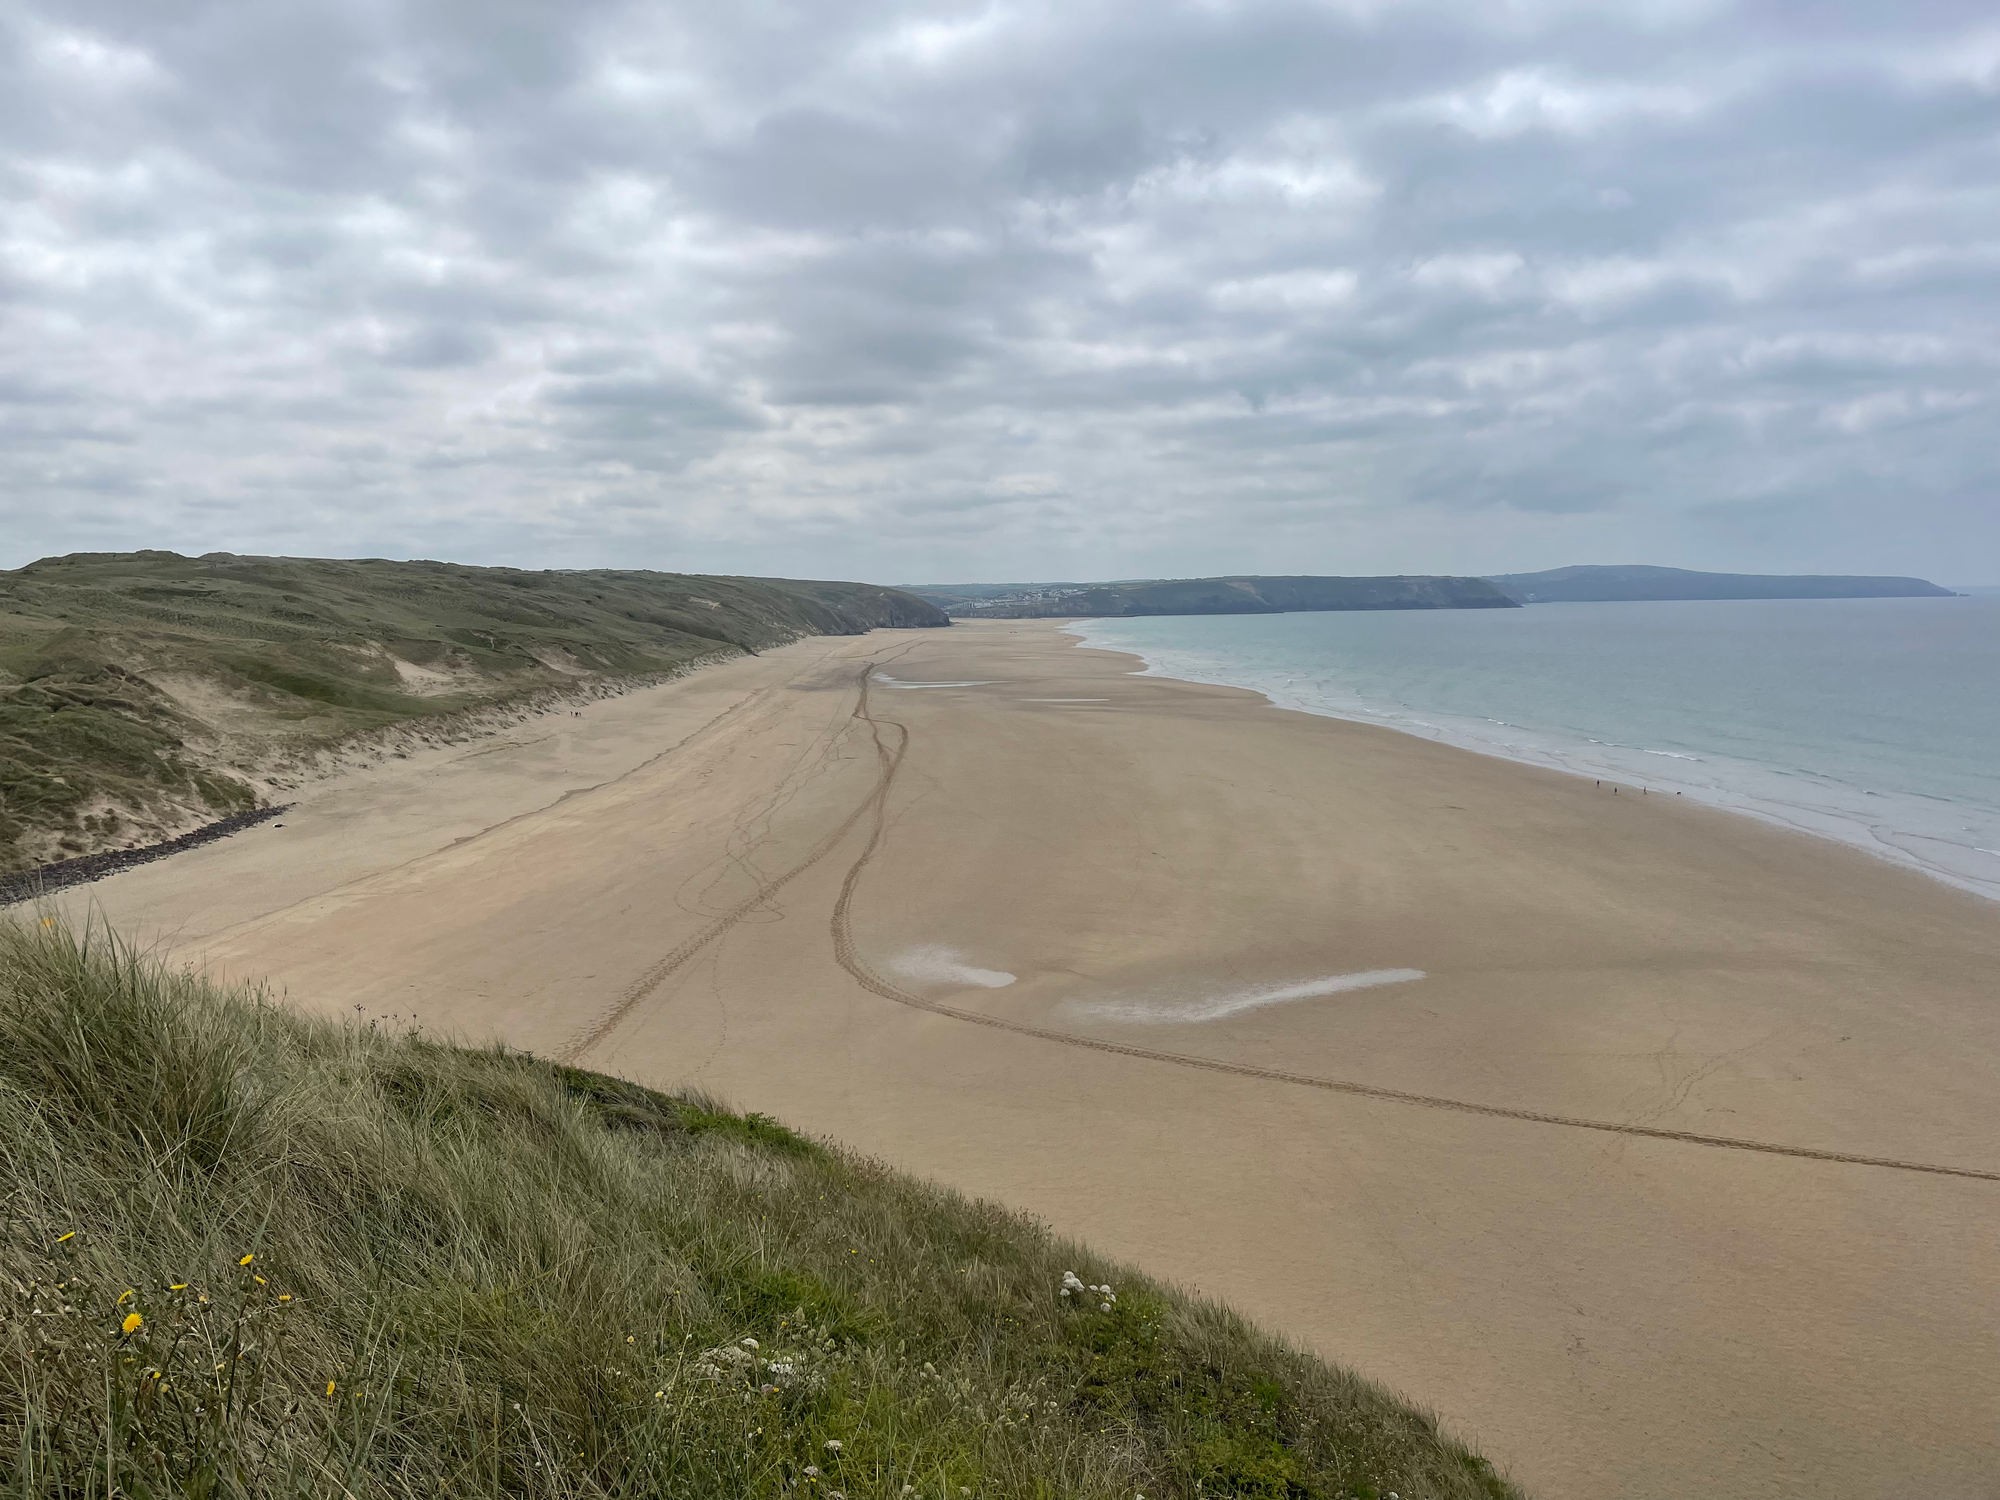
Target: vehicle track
{"x":850,"y":959}
{"x":582,"y":1041}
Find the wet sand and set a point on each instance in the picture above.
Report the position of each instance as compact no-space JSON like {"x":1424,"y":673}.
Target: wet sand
{"x":739,"y":882}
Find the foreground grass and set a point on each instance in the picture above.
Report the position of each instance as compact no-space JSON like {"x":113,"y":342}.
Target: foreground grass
{"x":248,"y":1253}
{"x":139,"y":690}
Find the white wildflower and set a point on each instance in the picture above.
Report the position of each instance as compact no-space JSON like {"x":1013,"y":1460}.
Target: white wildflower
{"x":833,"y":1445}
{"x":751,"y":1344}
{"x":1104,"y":1306}
{"x":812,"y":1471}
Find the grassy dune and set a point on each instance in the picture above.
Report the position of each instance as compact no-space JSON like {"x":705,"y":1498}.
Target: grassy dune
{"x":144,"y":693}
{"x":249,"y":1253}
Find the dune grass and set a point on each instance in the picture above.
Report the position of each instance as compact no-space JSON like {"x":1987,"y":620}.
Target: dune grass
{"x":252,"y":1254}
{"x":141,"y":692}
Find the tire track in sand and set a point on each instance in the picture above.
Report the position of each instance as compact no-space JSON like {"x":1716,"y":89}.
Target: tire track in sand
{"x":850,"y":959}
{"x":583,"y":1040}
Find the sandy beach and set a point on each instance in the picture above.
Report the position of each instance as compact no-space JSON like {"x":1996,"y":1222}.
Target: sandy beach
{"x":1248,"y":968}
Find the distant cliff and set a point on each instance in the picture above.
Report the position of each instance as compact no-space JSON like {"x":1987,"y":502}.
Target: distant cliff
{"x":1236,"y":596}
{"x":1575,"y":585}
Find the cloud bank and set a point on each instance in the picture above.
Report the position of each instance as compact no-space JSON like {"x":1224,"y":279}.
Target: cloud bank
{"x":910,"y":290}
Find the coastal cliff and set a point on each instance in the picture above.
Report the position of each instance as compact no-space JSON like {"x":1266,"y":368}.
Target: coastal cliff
{"x":1602,"y":584}
{"x":1234,"y":596}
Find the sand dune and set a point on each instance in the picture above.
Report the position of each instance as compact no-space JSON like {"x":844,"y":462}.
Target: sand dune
{"x":1505,"y":1188}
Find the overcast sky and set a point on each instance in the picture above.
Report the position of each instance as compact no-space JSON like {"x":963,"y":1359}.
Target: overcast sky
{"x":936,"y":291}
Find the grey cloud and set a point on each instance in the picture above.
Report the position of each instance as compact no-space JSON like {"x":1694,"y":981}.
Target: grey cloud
{"x":928,"y":287}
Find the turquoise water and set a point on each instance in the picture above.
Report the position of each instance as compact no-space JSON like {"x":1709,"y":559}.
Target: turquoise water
{"x":1871,"y":721}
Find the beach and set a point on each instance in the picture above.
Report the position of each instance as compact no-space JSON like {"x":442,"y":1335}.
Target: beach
{"x":1393,"y":1047}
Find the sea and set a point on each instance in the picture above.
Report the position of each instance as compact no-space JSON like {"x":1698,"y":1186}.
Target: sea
{"x":1875,"y":722}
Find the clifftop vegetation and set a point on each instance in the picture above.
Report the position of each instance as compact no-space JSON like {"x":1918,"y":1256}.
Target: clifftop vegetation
{"x":252,"y":1254}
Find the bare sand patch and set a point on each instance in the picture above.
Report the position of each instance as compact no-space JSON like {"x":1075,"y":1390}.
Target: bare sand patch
{"x":689,"y":884}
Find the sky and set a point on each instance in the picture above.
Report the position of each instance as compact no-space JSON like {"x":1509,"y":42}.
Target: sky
{"x":928,"y":292}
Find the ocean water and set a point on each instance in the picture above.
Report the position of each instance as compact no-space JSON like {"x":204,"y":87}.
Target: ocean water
{"x":1872,"y":721}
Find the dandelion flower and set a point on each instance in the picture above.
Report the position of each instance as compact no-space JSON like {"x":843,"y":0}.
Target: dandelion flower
{"x":132,"y":1322}
{"x":247,"y":1259}
{"x":284,"y":1296}
{"x":329,"y":1387}
{"x":124,"y":1297}
{"x":260,"y":1281}
{"x":70,"y":1236}
{"x":178,"y":1286}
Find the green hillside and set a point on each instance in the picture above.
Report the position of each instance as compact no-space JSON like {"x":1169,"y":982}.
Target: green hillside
{"x":1241,"y":595}
{"x":144,"y":693}
{"x":251,"y":1254}
{"x":1636,"y":582}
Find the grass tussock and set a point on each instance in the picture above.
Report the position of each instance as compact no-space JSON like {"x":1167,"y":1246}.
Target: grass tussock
{"x":252,"y":1254}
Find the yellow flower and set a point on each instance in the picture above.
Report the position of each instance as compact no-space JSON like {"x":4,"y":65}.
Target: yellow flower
{"x":178,"y":1286}
{"x":329,"y":1387}
{"x":284,"y":1296}
{"x":261,"y":1281}
{"x":132,"y":1322}
{"x":124,"y":1296}
{"x":247,"y":1259}
{"x":70,"y":1236}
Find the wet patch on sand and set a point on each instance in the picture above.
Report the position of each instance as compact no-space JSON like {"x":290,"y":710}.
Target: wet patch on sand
{"x":934,"y":963}
{"x":896,"y":682}
{"x":1157,"y":1009}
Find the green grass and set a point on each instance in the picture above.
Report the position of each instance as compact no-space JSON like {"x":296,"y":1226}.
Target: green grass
{"x":369,"y":1264}
{"x":101,"y":747}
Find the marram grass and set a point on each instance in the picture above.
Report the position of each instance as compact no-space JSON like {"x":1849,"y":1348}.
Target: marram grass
{"x":253,"y":1254}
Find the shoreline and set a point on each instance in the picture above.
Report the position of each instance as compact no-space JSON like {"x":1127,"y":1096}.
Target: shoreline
{"x":1845,"y":828}
{"x":1080,"y":874}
